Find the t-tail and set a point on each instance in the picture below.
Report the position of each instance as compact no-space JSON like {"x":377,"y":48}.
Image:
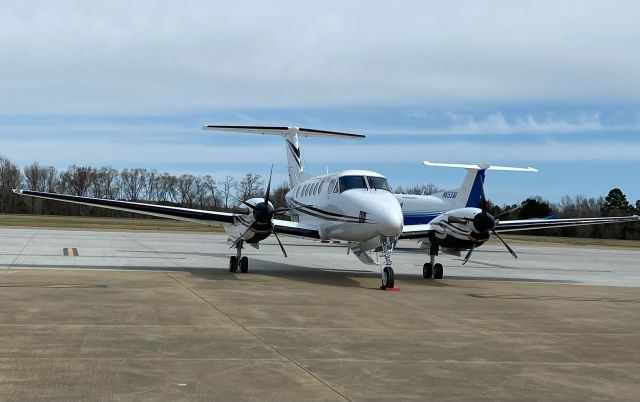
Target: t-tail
{"x":469,"y":193}
{"x":294,"y":156}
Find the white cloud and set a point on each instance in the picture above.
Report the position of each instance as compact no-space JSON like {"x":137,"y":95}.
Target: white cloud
{"x":199,"y":157}
{"x":161,"y":56}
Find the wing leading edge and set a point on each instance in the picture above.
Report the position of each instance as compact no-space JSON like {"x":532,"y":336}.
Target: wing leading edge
{"x":536,"y":224}
{"x":161,"y":211}
{"x":184,"y":214}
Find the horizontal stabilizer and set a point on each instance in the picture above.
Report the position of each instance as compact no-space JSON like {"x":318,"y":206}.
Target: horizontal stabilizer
{"x":480,"y":166}
{"x":275,"y":130}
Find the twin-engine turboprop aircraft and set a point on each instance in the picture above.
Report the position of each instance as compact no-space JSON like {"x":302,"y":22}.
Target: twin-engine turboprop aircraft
{"x":458,"y":220}
{"x":355,"y":206}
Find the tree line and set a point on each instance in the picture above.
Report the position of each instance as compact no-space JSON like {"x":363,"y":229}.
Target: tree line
{"x":204,"y":192}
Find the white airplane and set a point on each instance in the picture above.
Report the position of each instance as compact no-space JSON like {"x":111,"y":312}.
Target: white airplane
{"x":355,"y":206}
{"x":457,"y":220}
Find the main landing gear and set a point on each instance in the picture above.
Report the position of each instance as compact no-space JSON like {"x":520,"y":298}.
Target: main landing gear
{"x":432,"y":269}
{"x":388,"y":276}
{"x":238,"y":261}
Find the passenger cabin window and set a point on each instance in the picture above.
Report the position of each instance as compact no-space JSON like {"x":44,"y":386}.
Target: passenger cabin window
{"x":331,"y":185}
{"x":320,"y":187}
{"x":378,"y":183}
{"x":352,"y":182}
{"x":315,"y":188}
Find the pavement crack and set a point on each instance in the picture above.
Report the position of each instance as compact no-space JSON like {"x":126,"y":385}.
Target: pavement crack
{"x":263,"y":341}
{"x":7,"y":271}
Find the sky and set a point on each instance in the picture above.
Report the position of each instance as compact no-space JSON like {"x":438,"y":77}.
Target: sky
{"x":553,"y":85}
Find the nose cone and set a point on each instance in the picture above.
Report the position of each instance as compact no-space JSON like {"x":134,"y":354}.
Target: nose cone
{"x":390,"y":221}
{"x":483,"y":222}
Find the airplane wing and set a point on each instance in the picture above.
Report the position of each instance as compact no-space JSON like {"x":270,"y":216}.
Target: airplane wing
{"x":417,"y":231}
{"x":423,"y":231}
{"x":161,"y":211}
{"x":184,"y":214}
{"x":296,"y":229}
{"x":535,"y":224}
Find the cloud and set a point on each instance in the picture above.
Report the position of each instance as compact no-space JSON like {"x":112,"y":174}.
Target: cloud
{"x":73,"y":57}
{"x":212,"y":156}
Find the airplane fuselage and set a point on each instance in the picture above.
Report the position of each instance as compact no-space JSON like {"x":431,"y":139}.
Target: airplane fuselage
{"x":352,"y":205}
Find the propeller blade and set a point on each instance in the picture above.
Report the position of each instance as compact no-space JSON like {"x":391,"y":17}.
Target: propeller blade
{"x":513,"y":253}
{"x":249,"y":205}
{"x":279,"y":242}
{"x":466,"y":257}
{"x":457,"y":219}
{"x":266,"y":194}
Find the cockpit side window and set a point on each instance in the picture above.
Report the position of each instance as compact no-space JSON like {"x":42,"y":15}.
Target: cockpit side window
{"x":331,"y":186}
{"x":352,"y":182}
{"x":378,"y":183}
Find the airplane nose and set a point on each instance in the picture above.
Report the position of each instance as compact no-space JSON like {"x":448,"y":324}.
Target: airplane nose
{"x":390,"y":223}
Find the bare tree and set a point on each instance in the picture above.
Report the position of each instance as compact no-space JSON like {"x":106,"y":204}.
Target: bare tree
{"x":277,"y":198}
{"x":249,"y":187}
{"x":10,"y":178}
{"x":187,"y":190}
{"x":167,"y":189}
{"x":151,"y":188}
{"x":418,"y":189}
{"x":35,"y":177}
{"x":52,"y":180}
{"x":77,"y":180}
{"x":213,"y":194}
{"x":229,"y":183}
{"x":133,"y":183}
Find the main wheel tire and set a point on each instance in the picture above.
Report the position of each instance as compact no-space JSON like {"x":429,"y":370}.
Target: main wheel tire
{"x":233,"y":263}
{"x":388,"y":276}
{"x":438,"y":271}
{"x":244,"y":265}
{"x":427,"y":271}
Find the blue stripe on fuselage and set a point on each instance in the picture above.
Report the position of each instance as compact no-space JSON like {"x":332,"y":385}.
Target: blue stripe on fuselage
{"x":418,"y":219}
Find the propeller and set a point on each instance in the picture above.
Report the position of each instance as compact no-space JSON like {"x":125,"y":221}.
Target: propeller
{"x":483,"y":223}
{"x":263,"y":212}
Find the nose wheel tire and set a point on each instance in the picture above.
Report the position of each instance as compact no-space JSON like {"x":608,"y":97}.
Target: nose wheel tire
{"x":438,"y":271}
{"x":388,"y":278}
{"x":244,"y":265}
{"x":427,"y":271}
{"x":233,"y":263}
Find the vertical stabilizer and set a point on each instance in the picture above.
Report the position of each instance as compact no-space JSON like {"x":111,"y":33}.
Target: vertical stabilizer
{"x":294,"y":157}
{"x":468,"y":195}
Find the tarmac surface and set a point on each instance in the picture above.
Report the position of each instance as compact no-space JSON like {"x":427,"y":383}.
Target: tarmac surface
{"x":100,"y":316}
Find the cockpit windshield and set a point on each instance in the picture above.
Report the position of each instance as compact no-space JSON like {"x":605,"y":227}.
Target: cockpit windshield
{"x":351,"y":182}
{"x":378,"y":183}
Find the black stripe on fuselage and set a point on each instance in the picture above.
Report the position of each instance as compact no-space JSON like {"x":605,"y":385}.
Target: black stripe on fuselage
{"x":309,"y":210}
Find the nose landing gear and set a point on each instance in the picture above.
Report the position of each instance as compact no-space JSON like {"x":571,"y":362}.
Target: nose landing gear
{"x":388,"y":276}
